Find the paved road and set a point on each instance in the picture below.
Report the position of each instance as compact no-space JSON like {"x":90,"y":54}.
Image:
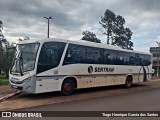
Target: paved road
{"x":144,"y":98}
{"x":30,"y":100}
{"x":138,"y":101}
{"x":148,"y":100}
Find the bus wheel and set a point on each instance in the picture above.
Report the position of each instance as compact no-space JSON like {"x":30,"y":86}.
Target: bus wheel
{"x":128,"y":82}
{"x":67,"y":87}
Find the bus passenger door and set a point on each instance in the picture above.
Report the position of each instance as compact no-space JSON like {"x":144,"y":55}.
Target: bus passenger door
{"x":143,"y":74}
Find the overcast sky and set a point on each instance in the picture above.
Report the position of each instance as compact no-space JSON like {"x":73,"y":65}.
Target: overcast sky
{"x":23,"y":18}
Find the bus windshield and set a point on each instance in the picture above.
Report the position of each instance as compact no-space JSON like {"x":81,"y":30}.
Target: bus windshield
{"x":25,"y":57}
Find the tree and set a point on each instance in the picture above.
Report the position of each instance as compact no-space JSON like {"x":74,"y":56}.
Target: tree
{"x":122,"y":37}
{"x":90,"y":36}
{"x":115,"y":30}
{"x":1,"y":28}
{"x":107,"y":22}
{"x":6,"y":60}
{"x":6,"y":53}
{"x":128,"y":33}
{"x":4,"y":44}
{"x":1,"y":35}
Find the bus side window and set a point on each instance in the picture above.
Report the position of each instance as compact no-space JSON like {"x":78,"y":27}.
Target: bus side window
{"x":52,"y":56}
{"x":75,"y":54}
{"x":93,"y":55}
{"x":68,"y":57}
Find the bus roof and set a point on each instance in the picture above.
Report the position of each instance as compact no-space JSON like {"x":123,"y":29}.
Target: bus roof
{"x":81,"y":42}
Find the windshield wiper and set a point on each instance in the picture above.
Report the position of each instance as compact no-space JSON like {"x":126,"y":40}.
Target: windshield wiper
{"x":20,"y":63}
{"x":13,"y":62}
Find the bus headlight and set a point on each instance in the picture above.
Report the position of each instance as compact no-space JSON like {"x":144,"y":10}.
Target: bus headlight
{"x":27,"y":79}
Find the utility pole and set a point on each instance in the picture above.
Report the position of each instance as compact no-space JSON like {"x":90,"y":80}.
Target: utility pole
{"x":48,"y":18}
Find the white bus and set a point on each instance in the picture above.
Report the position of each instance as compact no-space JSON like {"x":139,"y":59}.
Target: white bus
{"x":62,"y":65}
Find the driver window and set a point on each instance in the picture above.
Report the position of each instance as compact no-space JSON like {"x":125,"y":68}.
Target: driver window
{"x":50,"y":56}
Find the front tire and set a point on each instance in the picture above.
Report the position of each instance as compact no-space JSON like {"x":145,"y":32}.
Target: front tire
{"x":128,"y":82}
{"x":67,"y":87}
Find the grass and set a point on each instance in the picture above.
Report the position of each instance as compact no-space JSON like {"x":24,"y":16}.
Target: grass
{"x":3,"y":80}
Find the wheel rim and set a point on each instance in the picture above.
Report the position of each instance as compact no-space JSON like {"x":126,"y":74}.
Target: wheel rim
{"x":67,"y":87}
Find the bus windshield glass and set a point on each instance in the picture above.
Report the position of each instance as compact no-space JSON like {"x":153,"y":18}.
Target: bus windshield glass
{"x":25,"y":57}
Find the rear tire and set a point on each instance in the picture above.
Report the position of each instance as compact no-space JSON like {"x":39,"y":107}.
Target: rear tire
{"x":128,"y":82}
{"x":67,"y":87}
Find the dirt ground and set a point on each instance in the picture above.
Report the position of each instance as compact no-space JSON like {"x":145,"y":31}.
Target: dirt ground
{"x":5,"y":90}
